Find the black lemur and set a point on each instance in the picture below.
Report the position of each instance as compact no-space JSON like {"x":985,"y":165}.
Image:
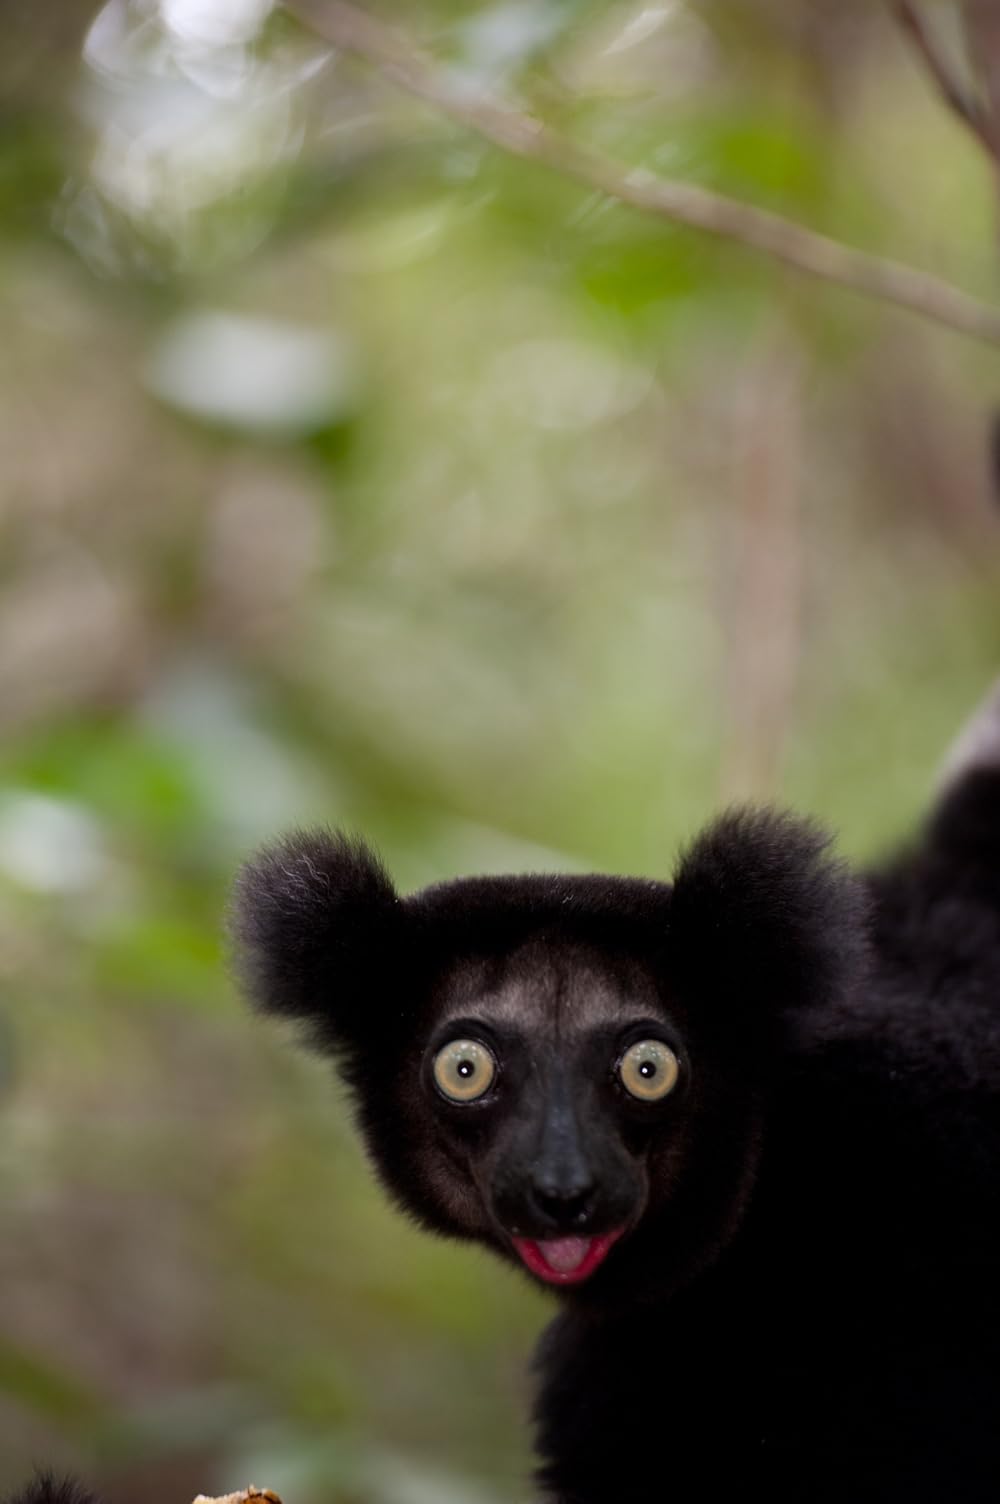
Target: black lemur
{"x":745,"y":1125}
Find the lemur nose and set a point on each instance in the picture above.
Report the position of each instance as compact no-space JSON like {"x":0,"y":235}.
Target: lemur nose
{"x":566,"y":1205}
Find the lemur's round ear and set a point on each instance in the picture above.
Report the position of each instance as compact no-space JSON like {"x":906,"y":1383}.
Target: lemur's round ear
{"x":313,"y":922}
{"x":762,"y":911}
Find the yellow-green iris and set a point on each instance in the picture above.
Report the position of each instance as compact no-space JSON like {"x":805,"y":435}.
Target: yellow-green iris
{"x":464,"y":1070}
{"x":648,"y":1070}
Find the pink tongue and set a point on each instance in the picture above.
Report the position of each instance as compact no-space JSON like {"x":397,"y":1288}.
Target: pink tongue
{"x":565,"y":1254}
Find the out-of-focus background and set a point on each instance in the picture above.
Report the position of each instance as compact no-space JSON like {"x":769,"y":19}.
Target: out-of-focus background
{"x":352,"y":472}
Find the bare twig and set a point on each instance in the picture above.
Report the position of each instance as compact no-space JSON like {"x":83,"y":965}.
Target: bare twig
{"x":352,"y":30}
{"x":911,"y":19}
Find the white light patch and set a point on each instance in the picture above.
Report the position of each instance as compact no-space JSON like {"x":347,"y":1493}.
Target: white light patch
{"x":566,"y":383}
{"x":50,"y":845}
{"x":117,"y":39}
{"x":252,"y":782}
{"x":252,"y":373}
{"x":187,"y":106}
{"x":502,"y":36}
{"x":215,"y":23}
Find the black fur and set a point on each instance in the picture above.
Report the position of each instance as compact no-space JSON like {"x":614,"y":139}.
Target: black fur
{"x":763,"y":917}
{"x":315,"y":920}
{"x":804,"y":1299}
{"x":46,"y":1488}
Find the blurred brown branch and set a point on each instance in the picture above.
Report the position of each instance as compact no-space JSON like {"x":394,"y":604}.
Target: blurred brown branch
{"x":982,"y":30}
{"x":398,"y":59}
{"x":911,"y":18}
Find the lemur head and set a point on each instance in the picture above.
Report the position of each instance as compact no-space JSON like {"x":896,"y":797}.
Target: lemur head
{"x":553,"y":1065}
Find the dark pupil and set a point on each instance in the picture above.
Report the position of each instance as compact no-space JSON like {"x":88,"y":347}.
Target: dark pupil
{"x":648,"y":1069}
{"x":466,"y":1068}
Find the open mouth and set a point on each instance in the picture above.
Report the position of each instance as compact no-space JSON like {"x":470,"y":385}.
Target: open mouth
{"x":566,"y":1261}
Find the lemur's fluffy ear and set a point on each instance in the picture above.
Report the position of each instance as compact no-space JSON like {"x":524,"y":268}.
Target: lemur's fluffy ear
{"x":314,"y":925}
{"x":761,"y":912}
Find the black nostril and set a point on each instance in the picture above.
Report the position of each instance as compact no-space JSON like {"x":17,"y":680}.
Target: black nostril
{"x":565,"y":1205}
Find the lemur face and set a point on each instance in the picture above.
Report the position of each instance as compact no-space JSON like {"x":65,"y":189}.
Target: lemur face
{"x":556,"y":1066}
{"x":549,"y":1081}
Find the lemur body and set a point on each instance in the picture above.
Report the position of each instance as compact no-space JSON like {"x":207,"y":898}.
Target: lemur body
{"x":746,"y":1125}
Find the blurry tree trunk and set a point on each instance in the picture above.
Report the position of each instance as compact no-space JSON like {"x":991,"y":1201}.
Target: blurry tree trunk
{"x":761,"y":571}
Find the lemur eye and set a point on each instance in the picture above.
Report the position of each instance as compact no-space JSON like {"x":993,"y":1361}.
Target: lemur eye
{"x":464,"y":1070}
{"x":649,"y":1070}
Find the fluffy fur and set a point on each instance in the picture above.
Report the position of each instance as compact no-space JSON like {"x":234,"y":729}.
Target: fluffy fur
{"x":802,"y":1297}
{"x":46,"y":1488}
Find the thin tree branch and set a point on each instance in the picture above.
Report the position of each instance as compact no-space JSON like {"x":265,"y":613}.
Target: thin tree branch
{"x":352,"y":30}
{"x":911,"y":19}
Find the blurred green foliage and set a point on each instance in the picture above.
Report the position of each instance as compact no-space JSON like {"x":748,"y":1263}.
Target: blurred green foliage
{"x":355,"y":473}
